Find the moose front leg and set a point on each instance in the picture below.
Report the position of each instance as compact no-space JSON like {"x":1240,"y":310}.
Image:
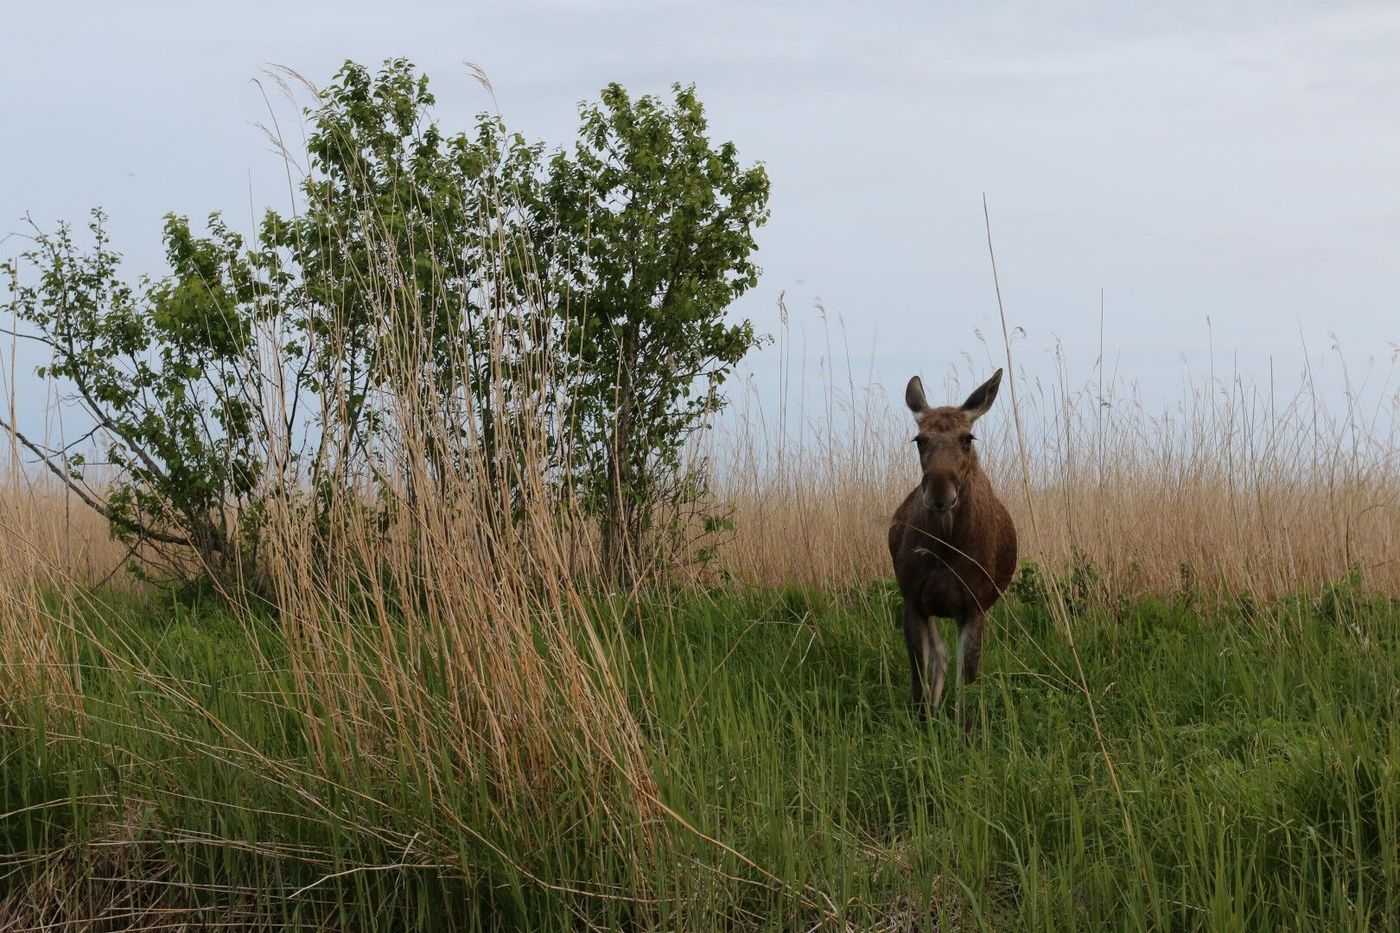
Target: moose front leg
{"x":969,"y":658}
{"x":928,"y":660}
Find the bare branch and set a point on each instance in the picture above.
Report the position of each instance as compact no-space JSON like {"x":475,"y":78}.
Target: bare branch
{"x":35,"y":337}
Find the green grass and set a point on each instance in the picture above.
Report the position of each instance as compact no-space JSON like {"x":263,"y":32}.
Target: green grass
{"x":1257,"y":755}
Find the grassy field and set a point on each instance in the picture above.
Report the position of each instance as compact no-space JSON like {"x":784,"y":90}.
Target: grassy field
{"x":1171,"y":767}
{"x":1186,"y":720}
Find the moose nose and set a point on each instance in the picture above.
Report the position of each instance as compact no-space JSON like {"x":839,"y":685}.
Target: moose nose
{"x":944,"y":503}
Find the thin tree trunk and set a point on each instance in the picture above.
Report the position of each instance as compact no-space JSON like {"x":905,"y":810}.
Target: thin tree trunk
{"x":618,"y":542}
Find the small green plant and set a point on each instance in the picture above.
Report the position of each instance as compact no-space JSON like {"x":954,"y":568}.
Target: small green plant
{"x":1029,"y":586}
{"x":1349,"y":601}
{"x":1084,"y":581}
{"x":715,"y":529}
{"x":1188,"y":588}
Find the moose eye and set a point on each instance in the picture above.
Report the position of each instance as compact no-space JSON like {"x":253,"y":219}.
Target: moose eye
{"x":967,"y":439}
{"x":920,"y":442}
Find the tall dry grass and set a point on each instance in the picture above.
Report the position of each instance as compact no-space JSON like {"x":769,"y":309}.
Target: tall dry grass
{"x":448,"y":641}
{"x":45,"y":529}
{"x":37,"y":652}
{"x":1234,"y":488}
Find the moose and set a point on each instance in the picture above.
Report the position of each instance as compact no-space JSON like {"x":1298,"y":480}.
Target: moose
{"x":952,"y":543}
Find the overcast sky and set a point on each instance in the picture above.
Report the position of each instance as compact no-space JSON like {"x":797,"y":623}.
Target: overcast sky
{"x":1238,"y":162}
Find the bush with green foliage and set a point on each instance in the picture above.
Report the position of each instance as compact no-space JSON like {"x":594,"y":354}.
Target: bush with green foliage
{"x":655,"y":239}
{"x":487,"y":295}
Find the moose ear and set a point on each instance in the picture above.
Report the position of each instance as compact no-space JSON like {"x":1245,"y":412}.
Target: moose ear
{"x":982,"y":397}
{"x":914,"y":396}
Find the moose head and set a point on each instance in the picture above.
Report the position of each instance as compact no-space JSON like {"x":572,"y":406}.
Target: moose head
{"x":946,"y":454}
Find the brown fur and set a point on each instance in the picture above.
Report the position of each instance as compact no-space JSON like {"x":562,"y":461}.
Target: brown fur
{"x":952,"y":543}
